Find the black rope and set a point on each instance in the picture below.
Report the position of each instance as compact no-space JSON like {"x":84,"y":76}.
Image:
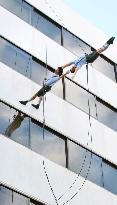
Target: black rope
{"x":101,"y":159}
{"x":48,"y":180}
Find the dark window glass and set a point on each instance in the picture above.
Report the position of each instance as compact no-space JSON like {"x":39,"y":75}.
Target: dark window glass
{"x":19,"y":8}
{"x":99,"y":172}
{"x":46,"y":26}
{"x":110,"y":178}
{"x":8,"y":197}
{"x":74,"y":44}
{"x":79,"y":156}
{"x":104,"y":67}
{"x":39,"y":72}
{"x":51,"y":146}
{"x":79,"y":97}
{"x":15,"y":58}
{"x":107,"y":116}
{"x":14,"y":125}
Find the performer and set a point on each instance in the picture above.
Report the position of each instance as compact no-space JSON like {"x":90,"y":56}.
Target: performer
{"x":47,"y":86}
{"x":87,"y":58}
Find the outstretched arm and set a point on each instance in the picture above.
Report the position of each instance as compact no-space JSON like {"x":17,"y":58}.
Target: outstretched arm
{"x":66,"y":65}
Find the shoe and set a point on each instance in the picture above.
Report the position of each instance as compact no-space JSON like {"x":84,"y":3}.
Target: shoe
{"x":110,"y":41}
{"x":36,"y":106}
{"x":23,"y":102}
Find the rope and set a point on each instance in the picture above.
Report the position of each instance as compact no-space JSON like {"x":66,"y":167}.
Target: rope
{"x":101,"y":160}
{"x":44,"y":99}
{"x":48,"y":180}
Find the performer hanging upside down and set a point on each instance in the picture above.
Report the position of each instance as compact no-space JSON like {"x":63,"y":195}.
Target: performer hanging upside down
{"x":87,"y":58}
{"x":47,"y":86}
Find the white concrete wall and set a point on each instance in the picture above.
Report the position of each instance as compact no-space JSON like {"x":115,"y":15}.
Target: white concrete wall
{"x":22,"y":170}
{"x":60,"y":115}
{"x":60,"y":12}
{"x":35,"y":43}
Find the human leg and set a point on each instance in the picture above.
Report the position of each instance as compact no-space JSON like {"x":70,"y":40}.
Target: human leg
{"x":26,"y":101}
{"x":106,"y":45}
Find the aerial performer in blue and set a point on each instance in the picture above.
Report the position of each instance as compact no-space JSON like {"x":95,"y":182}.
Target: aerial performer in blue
{"x":87,"y":58}
{"x":58,"y":74}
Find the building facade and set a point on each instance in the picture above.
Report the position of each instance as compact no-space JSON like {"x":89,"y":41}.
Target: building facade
{"x":72,"y":159}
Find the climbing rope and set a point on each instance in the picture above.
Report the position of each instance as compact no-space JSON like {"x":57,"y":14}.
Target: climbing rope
{"x":48,"y":180}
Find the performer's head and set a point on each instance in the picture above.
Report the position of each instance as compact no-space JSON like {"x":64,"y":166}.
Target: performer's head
{"x":59,"y":71}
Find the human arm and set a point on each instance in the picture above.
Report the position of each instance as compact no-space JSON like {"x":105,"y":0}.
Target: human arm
{"x":62,"y":76}
{"x":66,"y":65}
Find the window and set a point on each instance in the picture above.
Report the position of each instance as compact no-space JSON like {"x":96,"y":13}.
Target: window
{"x":15,"y":58}
{"x":14,"y":125}
{"x":39,"y":72}
{"x":10,"y":197}
{"x":105,"y":67}
{"x":79,"y":97}
{"x":74,"y":44}
{"x":51,"y":146}
{"x":110,"y":178}
{"x":99,"y":172}
{"x":46,"y":26}
{"x":78,"y":156}
{"x":107,"y":116}
{"x":19,"y":8}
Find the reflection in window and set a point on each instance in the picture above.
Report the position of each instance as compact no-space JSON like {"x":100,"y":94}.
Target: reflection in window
{"x":110,"y":178}
{"x":51,"y":146}
{"x":46,"y":26}
{"x":74,"y":44}
{"x":107,"y":116}
{"x":104,"y":67}
{"x":100,"y":173}
{"x":78,"y":155}
{"x":19,"y":8}
{"x":79,"y":97}
{"x":9,"y":197}
{"x":15,"y":57}
{"x":14,"y":125}
{"x":39,"y":72}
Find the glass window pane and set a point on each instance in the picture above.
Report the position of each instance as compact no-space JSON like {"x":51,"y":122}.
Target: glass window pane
{"x":107,"y":116}
{"x":14,"y":125}
{"x":5,"y":196}
{"x":79,"y":97}
{"x":18,"y":7}
{"x":15,"y":57}
{"x":79,"y":162}
{"x":51,"y":146}
{"x":74,"y":44}
{"x":18,"y":199}
{"x":46,"y":26}
{"x":104,"y":67}
{"x":110,"y":178}
{"x":39,"y":72}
